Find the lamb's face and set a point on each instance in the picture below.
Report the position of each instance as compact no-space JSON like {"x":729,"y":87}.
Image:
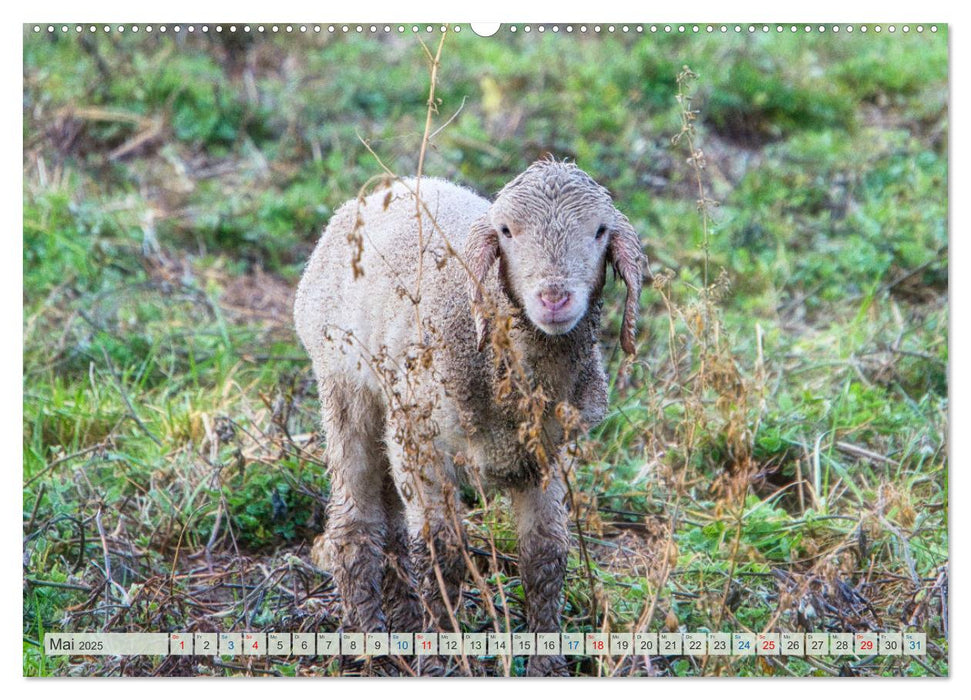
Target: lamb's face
{"x":553,"y":229}
{"x":554,"y":224}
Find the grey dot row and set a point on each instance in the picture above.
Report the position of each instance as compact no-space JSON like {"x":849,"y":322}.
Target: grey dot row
{"x":415,"y":29}
{"x":232,"y":28}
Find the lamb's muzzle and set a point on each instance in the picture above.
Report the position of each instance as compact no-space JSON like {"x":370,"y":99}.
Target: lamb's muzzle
{"x":465,"y":387}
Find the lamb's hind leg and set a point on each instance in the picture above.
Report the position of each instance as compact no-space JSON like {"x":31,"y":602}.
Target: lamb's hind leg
{"x":401,"y":601}
{"x":436,"y":545}
{"x":354,"y":544}
{"x":543,"y":547}
{"x":429,"y":500}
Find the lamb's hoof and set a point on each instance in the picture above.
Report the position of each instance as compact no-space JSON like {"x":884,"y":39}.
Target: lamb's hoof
{"x":547,"y":666}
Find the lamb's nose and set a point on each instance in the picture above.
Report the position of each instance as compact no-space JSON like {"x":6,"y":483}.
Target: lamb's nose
{"x":554,"y":299}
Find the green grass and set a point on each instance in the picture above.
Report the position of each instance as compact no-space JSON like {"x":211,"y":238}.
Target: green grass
{"x":173,"y":194}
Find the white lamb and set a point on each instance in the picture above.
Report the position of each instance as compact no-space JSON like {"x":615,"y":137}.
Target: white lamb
{"x":452,"y":367}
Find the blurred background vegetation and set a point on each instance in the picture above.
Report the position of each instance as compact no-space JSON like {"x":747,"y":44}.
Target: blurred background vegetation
{"x":175,"y":184}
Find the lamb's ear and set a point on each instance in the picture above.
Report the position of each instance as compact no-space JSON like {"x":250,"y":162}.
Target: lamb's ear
{"x":481,"y":252}
{"x":625,"y":254}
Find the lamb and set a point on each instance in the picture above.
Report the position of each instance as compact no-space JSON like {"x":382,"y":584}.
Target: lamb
{"x":445,"y":367}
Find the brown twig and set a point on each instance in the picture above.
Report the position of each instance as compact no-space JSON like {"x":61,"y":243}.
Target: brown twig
{"x":432,"y":109}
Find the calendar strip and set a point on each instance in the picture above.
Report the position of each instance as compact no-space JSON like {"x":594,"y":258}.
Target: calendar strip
{"x":241,"y":644}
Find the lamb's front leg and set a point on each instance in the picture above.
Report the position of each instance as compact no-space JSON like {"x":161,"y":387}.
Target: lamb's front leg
{"x":544,"y":541}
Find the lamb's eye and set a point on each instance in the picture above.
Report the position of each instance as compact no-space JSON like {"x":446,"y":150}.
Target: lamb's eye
{"x":506,"y":232}
{"x":601,"y":231}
